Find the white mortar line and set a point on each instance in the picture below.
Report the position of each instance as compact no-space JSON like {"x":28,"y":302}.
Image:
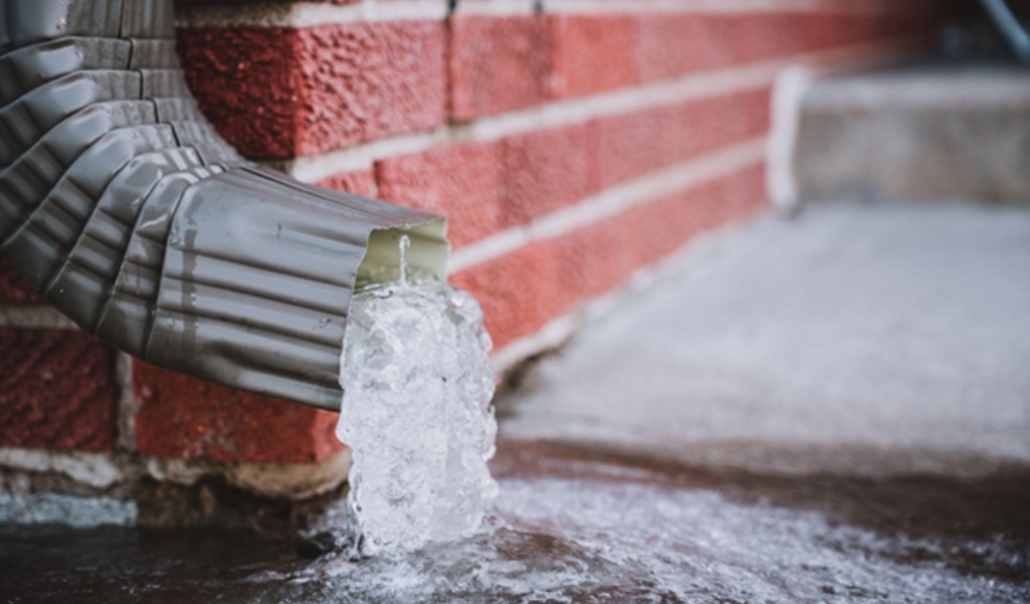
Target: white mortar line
{"x":34,"y":317}
{"x":612,"y":201}
{"x":312,"y":14}
{"x":311,"y":168}
{"x":499,"y":8}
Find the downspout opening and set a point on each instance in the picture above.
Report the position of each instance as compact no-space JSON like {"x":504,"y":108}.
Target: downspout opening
{"x":427,"y":257}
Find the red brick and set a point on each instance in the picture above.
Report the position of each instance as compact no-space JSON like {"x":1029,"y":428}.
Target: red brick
{"x":600,"y":53}
{"x":546,"y":170}
{"x":680,"y":220}
{"x":14,"y":289}
{"x":610,"y":250}
{"x":244,"y":80}
{"x":829,"y":30}
{"x":706,"y":125}
{"x":758,"y":37}
{"x":671,"y":45}
{"x":499,"y":64}
{"x":594,"y":53}
{"x":486,"y":187}
{"x":748,"y":191}
{"x":519,"y":292}
{"x":463,"y":182}
{"x":360,"y":182}
{"x":523,"y":290}
{"x":596,"y":259}
{"x":633,"y":144}
{"x":57,"y":391}
{"x":818,"y":31}
{"x":663,"y":226}
{"x":597,"y":53}
{"x":185,"y":417}
{"x":281,"y":92}
{"x":364,"y":81}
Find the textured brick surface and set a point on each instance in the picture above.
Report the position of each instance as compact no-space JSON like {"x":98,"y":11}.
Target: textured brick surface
{"x":499,"y":64}
{"x":522,"y":291}
{"x":677,"y":44}
{"x":546,"y":170}
{"x":662,"y":227}
{"x":487,"y":187}
{"x":633,"y":144}
{"x":368,"y":80}
{"x":57,"y":391}
{"x":279,"y":92}
{"x":503,"y":64}
{"x":184,"y":417}
{"x":464,"y":182}
{"x":519,"y":292}
{"x":596,"y":53}
{"x":276,"y":92}
{"x":245,"y":81}
{"x":13,"y":288}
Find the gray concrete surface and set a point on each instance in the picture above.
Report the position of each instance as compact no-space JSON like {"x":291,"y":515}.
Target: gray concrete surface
{"x":917,"y":133}
{"x":856,"y":338}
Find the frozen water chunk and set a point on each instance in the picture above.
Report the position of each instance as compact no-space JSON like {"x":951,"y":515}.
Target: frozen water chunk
{"x":416,"y":412}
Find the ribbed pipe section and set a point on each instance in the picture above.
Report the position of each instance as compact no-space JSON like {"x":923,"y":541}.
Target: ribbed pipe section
{"x":123,"y":206}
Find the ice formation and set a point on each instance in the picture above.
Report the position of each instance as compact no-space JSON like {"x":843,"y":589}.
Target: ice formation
{"x":416,"y":413}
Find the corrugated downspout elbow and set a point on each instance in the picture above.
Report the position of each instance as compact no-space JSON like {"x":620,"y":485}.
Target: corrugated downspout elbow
{"x":122,"y":205}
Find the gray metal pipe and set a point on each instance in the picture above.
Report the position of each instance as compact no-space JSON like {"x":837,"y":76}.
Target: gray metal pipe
{"x":123,"y":206}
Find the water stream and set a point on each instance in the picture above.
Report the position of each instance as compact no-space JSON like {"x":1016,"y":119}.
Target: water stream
{"x":416,"y":413}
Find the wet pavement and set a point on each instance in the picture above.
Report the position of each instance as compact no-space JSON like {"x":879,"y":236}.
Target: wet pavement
{"x":859,"y":339}
{"x":578,"y":526}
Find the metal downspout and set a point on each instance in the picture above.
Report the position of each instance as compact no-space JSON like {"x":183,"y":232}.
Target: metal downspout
{"x":123,"y":206}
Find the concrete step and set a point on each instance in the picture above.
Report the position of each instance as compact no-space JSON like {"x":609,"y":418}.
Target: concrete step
{"x":916,"y":134}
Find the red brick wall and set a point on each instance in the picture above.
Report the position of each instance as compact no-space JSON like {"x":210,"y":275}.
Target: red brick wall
{"x":569,"y":146}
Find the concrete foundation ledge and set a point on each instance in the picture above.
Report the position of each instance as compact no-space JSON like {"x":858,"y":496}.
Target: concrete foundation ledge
{"x":91,"y":489}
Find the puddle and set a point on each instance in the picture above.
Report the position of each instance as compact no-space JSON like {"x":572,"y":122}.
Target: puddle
{"x":571,"y":527}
